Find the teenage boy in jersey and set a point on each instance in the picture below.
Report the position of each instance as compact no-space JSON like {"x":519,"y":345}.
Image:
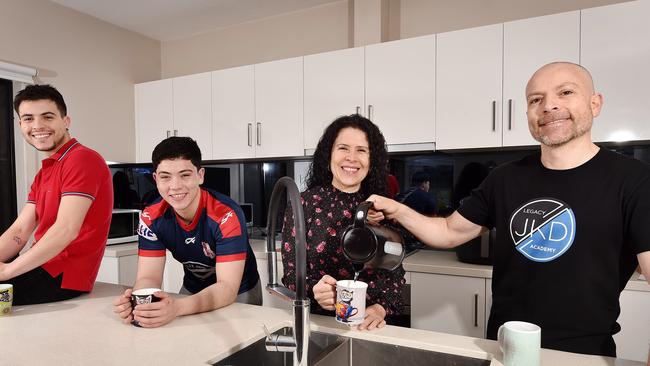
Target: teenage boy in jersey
{"x":202,"y":229}
{"x":69,"y":205}
{"x":571,"y":221}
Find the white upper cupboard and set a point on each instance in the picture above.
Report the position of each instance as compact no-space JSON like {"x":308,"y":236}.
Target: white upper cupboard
{"x":173,"y":107}
{"x":334,"y":86}
{"x":392,"y":83}
{"x":616,"y":50}
{"x":482,"y":74}
{"x":154,"y":116}
{"x":257,"y":110}
{"x":400,"y":89}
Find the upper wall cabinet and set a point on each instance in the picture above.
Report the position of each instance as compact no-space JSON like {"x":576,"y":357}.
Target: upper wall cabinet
{"x":279,"y":108}
{"x":616,"y":50}
{"x":154,"y":116}
{"x":400,"y":89}
{"x":257,"y":110}
{"x":482,"y":74}
{"x":393,"y":84}
{"x":528,"y":45}
{"x":173,"y":107}
{"x":233,"y":113}
{"x":334,"y":86}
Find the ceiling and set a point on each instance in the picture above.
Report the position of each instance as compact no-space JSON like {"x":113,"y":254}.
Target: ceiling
{"x":172,"y":19}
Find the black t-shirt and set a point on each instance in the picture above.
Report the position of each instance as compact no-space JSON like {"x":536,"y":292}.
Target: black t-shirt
{"x":566,"y":245}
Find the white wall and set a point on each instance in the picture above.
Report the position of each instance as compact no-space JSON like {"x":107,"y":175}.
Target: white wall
{"x":420,"y":17}
{"x":92,"y":63}
{"x":318,"y":29}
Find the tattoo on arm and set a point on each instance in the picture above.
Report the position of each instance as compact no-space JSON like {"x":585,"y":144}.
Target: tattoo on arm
{"x":18,"y":240}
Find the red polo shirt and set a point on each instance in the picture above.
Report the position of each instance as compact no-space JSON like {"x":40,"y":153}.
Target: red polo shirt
{"x":75,"y":170}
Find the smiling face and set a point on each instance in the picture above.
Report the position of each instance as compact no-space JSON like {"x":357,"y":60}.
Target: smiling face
{"x":43,"y":126}
{"x":350,"y":159}
{"x":561,"y":104}
{"x":178,"y":183}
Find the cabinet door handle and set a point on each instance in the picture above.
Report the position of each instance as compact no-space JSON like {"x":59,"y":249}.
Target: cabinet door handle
{"x":175,"y":132}
{"x":259,"y":134}
{"x":476,"y":310}
{"x":168,"y":133}
{"x":370,"y":111}
{"x":250,"y":134}
{"x":494,"y":115}
{"x":358,"y":110}
{"x":510,"y":114}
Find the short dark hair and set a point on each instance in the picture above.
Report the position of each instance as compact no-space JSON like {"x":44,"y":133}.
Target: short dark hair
{"x":176,"y":147}
{"x":319,"y":170}
{"x":41,"y":92}
{"x":419,"y":178}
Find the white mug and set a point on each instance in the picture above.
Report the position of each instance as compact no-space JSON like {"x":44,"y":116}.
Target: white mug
{"x":520,"y":343}
{"x":350,"y":302}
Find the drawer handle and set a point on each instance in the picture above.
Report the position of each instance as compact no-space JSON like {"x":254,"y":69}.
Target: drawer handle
{"x":250,"y":134}
{"x":476,"y":310}
{"x":510,"y":114}
{"x":494,"y":115}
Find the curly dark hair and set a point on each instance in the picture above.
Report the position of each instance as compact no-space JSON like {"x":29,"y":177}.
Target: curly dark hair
{"x":319,"y":170}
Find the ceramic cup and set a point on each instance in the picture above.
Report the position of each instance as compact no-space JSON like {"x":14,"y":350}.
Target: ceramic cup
{"x":143,"y":296}
{"x":6,"y":298}
{"x":350,"y":301}
{"x":520,"y":343}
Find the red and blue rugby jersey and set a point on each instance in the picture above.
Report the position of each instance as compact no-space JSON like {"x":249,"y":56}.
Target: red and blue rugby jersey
{"x":217,"y":234}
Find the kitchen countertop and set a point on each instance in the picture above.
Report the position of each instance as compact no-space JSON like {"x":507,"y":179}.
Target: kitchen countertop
{"x":445,"y":262}
{"x":85,"y":331}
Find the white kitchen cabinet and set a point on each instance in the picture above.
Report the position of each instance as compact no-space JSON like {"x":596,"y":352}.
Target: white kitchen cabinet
{"x":469,"y":73}
{"x":119,"y":270}
{"x":173,"y":275}
{"x":334,"y":86}
{"x":528,"y":45}
{"x":279,"y":108}
{"x":192,"y":104}
{"x":482,"y":75}
{"x":615,"y":49}
{"x":268,"y":299}
{"x":154,"y":116}
{"x":233,"y":113}
{"x":173,"y":107}
{"x":400,"y":89}
{"x":258,"y":110}
{"x":392,"y":84}
{"x":448,"y":304}
{"x":633,"y":341}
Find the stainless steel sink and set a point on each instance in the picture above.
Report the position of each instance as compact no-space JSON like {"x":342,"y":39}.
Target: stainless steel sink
{"x":332,"y":350}
{"x":320,"y":344}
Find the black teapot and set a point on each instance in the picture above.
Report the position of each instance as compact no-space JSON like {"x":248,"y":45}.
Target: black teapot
{"x":371,"y":246}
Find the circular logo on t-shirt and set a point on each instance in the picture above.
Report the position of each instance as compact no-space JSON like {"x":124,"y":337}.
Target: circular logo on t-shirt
{"x":543,"y":229}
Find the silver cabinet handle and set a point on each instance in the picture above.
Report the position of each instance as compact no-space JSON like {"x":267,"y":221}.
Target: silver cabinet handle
{"x":370,"y":111}
{"x":175,"y":132}
{"x":476,"y":310}
{"x":494,"y":115}
{"x":168,"y":133}
{"x":259,"y":134}
{"x":250,"y":134}
{"x":510,"y":114}
{"x":358,"y":110}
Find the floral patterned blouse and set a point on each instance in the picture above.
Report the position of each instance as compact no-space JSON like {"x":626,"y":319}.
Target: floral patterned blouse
{"x":328,"y":212}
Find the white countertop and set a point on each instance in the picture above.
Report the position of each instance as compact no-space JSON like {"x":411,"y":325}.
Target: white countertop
{"x":84,"y":331}
{"x":446,"y":262}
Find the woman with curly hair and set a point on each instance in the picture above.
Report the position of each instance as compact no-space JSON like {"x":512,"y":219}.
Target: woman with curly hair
{"x":349,"y":164}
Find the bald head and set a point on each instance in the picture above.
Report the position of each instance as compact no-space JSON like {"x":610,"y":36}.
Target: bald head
{"x":575,"y":71}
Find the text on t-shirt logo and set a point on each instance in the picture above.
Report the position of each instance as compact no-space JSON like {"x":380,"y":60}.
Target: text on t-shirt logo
{"x":543,"y":229}
{"x":226,"y":217}
{"x":145,"y":232}
{"x":191,"y":240}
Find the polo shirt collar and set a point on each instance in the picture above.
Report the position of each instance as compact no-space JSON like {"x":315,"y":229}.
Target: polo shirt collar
{"x":63,"y":150}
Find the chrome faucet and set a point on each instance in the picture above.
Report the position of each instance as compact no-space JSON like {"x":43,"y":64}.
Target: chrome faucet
{"x":299,"y":342}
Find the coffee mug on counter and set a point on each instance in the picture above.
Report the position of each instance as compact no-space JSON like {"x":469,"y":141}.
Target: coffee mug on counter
{"x":520,"y":343}
{"x":143,"y":296}
{"x":350,"y":302}
{"x":6,"y":298}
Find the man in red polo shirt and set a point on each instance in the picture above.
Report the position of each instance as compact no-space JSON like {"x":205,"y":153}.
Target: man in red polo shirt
{"x":69,"y":206}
